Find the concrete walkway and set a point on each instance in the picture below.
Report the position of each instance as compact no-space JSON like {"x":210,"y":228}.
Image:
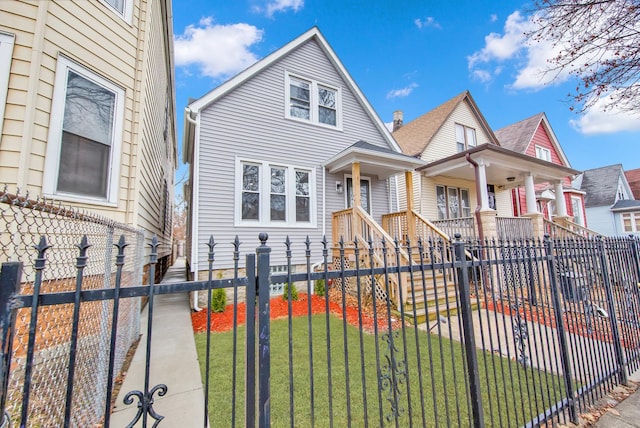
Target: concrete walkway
{"x":174,"y":362}
{"x":625,"y":414}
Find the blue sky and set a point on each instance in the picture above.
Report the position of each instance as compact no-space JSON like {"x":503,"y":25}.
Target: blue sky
{"x":409,"y":55}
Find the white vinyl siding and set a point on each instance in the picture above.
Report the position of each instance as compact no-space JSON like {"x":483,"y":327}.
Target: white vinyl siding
{"x":6,"y":51}
{"x":311,"y":101}
{"x":251,"y":118}
{"x":274,"y":195}
{"x":85,"y":135}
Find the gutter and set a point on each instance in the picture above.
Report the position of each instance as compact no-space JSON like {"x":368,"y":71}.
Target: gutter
{"x":478,"y":196}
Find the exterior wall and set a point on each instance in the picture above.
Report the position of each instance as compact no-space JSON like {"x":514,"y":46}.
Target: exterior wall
{"x":443,"y":143}
{"x":601,"y":220}
{"x":250,"y":122}
{"x":128,"y":53}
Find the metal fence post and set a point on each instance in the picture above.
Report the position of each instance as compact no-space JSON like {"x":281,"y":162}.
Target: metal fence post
{"x":562,"y":338}
{"x":636,"y":255}
{"x":615,"y":332}
{"x":469,"y":341}
{"x":10,"y":277}
{"x":250,"y":344}
{"x":264,"y":326}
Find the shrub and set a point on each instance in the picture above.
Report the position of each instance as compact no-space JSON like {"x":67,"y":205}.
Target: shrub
{"x":294,"y":292}
{"x":218,"y":300}
{"x":318,"y":287}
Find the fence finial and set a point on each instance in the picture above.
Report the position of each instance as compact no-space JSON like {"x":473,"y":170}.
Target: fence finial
{"x":263,"y":236}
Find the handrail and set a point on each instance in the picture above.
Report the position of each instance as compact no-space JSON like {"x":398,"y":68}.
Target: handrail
{"x":580,"y":230}
{"x":552,"y":227}
{"x":432,"y":226}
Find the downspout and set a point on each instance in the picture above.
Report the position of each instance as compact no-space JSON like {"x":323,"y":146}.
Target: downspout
{"x":194,"y":248}
{"x":478,"y":196}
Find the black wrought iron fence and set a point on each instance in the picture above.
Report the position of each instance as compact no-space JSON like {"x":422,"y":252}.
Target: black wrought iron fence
{"x":469,"y":348}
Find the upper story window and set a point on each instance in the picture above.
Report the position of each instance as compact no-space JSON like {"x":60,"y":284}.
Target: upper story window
{"x":85,"y":136}
{"x":122,"y":7}
{"x":465,"y":137}
{"x":312,"y":101}
{"x":543,"y":153}
{"x":274,"y":195}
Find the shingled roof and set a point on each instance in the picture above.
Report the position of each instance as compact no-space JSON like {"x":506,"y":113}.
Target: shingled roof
{"x":633,"y":177}
{"x":518,"y":135}
{"x":414,"y":136}
{"x":601,"y":185}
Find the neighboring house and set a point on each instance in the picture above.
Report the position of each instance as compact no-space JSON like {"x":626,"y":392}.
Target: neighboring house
{"x":466,"y":185}
{"x":291,"y":147}
{"x":611,"y":209}
{"x":535,"y":137}
{"x":87,"y":107}
{"x":633,"y":178}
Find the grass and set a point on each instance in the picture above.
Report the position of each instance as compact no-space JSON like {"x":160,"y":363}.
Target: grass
{"x":512,"y":395}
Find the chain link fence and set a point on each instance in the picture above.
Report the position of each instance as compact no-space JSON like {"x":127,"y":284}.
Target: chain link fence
{"x":23,"y":223}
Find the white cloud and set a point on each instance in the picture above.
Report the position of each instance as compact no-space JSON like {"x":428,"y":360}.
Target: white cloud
{"x":597,"y":120}
{"x":493,"y":17}
{"x":403,"y":92}
{"x":282,"y":5}
{"x":389,"y":126}
{"x":429,"y":21}
{"x":218,"y":51}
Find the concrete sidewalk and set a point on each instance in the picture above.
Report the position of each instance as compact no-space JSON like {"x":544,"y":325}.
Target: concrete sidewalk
{"x":174,"y":362}
{"x":627,"y":412}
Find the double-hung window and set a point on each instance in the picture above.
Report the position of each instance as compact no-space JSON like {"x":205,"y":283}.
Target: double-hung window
{"x":631,"y":222}
{"x":85,"y":136}
{"x":452,"y":202}
{"x":465,"y":137}
{"x":274,"y":195}
{"x":543,"y":153}
{"x":6,"y":52}
{"x":122,"y":8}
{"x":311,"y":101}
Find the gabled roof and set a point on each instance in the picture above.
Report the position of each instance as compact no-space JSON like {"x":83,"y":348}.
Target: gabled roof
{"x":314,"y":33}
{"x":601,"y":185}
{"x":626,"y":205}
{"x":414,"y":136}
{"x":518,"y":136}
{"x":633,"y":177}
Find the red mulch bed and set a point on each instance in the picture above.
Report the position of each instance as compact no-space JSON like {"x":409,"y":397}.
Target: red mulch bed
{"x":279,"y":308}
{"x":574,"y":322}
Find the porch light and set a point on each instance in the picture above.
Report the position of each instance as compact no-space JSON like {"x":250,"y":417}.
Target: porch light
{"x":510,"y":179}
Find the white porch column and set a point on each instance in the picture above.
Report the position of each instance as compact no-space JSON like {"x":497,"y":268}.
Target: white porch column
{"x":530,"y":193}
{"x":561,"y":205}
{"x":482,"y":184}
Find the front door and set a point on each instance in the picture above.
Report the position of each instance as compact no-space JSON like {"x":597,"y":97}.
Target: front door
{"x":365,"y":193}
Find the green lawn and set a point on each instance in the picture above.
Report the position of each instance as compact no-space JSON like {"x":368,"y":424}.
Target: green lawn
{"x":509,"y":398}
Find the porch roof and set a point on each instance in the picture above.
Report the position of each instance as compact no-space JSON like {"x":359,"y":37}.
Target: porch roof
{"x":503,"y":167}
{"x":374,"y":160}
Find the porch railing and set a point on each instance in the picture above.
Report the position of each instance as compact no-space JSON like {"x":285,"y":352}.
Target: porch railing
{"x":356,"y":225}
{"x":465,"y":226}
{"x":514,"y":227}
{"x":568,"y":230}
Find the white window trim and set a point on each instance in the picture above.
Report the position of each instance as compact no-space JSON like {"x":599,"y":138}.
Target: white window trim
{"x":126,"y":14}
{"x":54,"y":141}
{"x":6,"y":52}
{"x":313,"y":101}
{"x":346,"y":193}
{"x":632,"y":216}
{"x":466,"y":142}
{"x":265,"y":196}
{"x":543,"y":150}
{"x":579,"y":201}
